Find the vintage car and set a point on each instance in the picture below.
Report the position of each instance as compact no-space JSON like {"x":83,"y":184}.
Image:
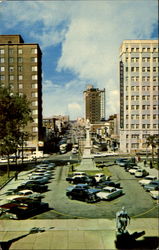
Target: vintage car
{"x":108,"y":183}
{"x":34,"y":187}
{"x":108,"y":193}
{"x":133,"y":169}
{"x":141,"y":173}
{"x":153,"y":185}
{"x":147,"y":180}
{"x":99,"y":177}
{"x":82,"y":192}
{"x":155,"y":194}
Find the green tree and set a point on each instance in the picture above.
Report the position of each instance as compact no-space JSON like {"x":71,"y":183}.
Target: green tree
{"x":152,"y":141}
{"x":14,"y":116}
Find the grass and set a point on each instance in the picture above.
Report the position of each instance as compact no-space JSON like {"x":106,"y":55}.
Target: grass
{"x":104,"y":170}
{"x":4,"y":177}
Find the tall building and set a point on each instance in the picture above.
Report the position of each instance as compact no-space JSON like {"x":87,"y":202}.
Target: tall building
{"x":94,"y":102}
{"x":20,"y":69}
{"x":139,"y":93}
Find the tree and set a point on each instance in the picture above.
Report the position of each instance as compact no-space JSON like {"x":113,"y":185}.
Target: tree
{"x":152,"y":141}
{"x":14,"y":116}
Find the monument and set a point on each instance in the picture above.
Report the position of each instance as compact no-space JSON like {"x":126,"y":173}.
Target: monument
{"x":87,"y":162}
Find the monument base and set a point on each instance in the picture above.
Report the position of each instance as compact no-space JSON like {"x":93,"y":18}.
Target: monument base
{"x":87,"y":164}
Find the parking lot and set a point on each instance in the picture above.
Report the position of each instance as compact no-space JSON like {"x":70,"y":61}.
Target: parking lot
{"x":136,"y":200}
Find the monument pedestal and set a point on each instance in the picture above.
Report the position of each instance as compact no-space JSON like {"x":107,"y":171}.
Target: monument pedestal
{"x":87,"y":164}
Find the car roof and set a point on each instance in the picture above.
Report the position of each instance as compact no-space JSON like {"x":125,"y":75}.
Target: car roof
{"x":109,"y":188}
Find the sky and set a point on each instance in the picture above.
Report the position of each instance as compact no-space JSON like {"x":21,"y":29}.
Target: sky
{"x":80,"y":42}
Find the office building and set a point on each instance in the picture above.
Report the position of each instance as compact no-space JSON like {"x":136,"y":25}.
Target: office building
{"x":138,"y":93}
{"x":20,"y":69}
{"x":94,"y":102}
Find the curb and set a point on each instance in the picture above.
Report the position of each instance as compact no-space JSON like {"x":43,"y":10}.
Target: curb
{"x":4,"y":184}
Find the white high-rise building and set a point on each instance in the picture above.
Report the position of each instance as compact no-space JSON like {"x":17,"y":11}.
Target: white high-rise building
{"x":139,"y":93}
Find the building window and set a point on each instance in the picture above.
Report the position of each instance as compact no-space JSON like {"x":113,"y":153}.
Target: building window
{"x":34,"y":77}
{"x":154,"y":125}
{"x":20,"y":59}
{"x":1,"y":59}
{"x":34,"y":112}
{"x":155,"y":49}
{"x":20,"y":85}
{"x":34,"y":94}
{"x":154,"y":116}
{"x":155,"y":59}
{"x":34,"y":68}
{"x":1,"y":51}
{"x":34,"y":86}
{"x":2,"y":78}
{"x":20,"y":68}
{"x":34,"y":59}
{"x":20,"y":51}
{"x":35,"y":120}
{"x":135,"y":145}
{"x":34,"y":51}
{"x":11,"y":77}
{"x":20,"y":77}
{"x":132,"y":107}
{"x":148,"y":125}
{"x":154,"y":107}
{"x":11,"y":51}
{"x":35,"y":129}
{"x":2,"y":69}
{"x":143,"y":125}
{"x":11,"y":69}
{"x":34,"y":103}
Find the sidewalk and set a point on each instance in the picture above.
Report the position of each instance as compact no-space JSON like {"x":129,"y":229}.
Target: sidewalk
{"x":73,"y":234}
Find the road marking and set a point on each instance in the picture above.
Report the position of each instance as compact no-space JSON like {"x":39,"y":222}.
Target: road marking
{"x":144,"y":212}
{"x":79,"y":217}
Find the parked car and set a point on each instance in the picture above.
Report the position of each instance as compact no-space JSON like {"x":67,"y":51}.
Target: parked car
{"x":30,"y":194}
{"x":34,"y":187}
{"x":108,"y":193}
{"x":76,"y":175}
{"x":82,"y":192}
{"x":147,"y":180}
{"x":121,"y":161}
{"x":155,"y":194}
{"x":153,"y":185}
{"x":41,"y":180}
{"x":99,"y":177}
{"x":22,"y":209}
{"x":82,"y":179}
{"x":108,"y":183}
{"x":141,"y":173}
{"x":133,"y":169}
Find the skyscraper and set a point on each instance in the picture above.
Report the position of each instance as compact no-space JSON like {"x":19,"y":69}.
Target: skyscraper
{"x":20,"y":69}
{"x":138,"y":93}
{"x":94,"y":102}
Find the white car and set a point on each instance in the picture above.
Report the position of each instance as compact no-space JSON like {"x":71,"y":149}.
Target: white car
{"x":108,"y":193}
{"x":133,"y":169}
{"x":147,"y":180}
{"x":141,"y":173}
{"x":155,"y":194}
{"x":100,"y":177}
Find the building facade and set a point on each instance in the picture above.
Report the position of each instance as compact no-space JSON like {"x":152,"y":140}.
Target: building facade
{"x":139,"y":93}
{"x":20,"y":70}
{"x":94,"y":102}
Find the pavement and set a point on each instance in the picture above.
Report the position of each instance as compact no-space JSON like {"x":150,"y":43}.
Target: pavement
{"x":73,"y":233}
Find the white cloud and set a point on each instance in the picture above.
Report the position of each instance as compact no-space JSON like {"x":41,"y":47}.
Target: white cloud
{"x":91,"y":33}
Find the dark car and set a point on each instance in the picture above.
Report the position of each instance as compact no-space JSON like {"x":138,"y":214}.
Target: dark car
{"x":108,"y":183}
{"x":82,"y":192}
{"x":154,"y":185}
{"x":81,"y":179}
{"x":121,"y":161}
{"x":129,"y":164}
{"x":22,"y":209}
{"x":33,"y":187}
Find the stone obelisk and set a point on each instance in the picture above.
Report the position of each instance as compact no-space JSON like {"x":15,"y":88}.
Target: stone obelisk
{"x":87,"y":162}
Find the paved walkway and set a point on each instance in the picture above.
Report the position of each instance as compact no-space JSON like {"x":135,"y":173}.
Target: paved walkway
{"x":73,"y":234}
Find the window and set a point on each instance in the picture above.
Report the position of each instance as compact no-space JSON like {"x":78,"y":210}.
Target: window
{"x":1,"y":51}
{"x":143,"y":125}
{"x":137,"y":125}
{"x":132,"y":117}
{"x":2,"y":69}
{"x":126,"y":69}
{"x":1,"y":59}
{"x":143,"y":117}
{"x":34,"y":77}
{"x":127,"y":116}
{"x":20,"y":77}
{"x":35,"y":129}
{"x":137,"y":107}
{"x":11,"y":86}
{"x":126,"y":97}
{"x":127,"y":49}
{"x":132,"y":107}
{"x":137,"y":49}
{"x":154,"y":116}
{"x":137,"y":117}
{"x":34,"y":68}
{"x":127,"y":107}
{"x":137,"y":88}
{"x":20,"y":59}
{"x":35,"y":120}
{"x":126,"y":59}
{"x":132,"y":49}
{"x":127,"y":125}
{"x":154,"y":87}
{"x":132,"y":88}
{"x":11,"y":69}
{"x":148,"y":125}
{"x":11,"y":51}
{"x":155,"y":49}
{"x":20,"y":68}
{"x":132,"y":97}
{"x":2,"y":78}
{"x":127,"y":136}
{"x":155,"y":59}
{"x":137,"y":97}
{"x":154,"y":125}
{"x":20,"y":51}
{"x":34,"y":103}
{"x":132,"y":125}
{"x":143,"y":106}
{"x":34,"y":85}
{"x":34,"y":59}
{"x":155,"y":79}
{"x":20,"y":85}
{"x":11,"y":77}
{"x":132,"y":69}
{"x":34,"y":94}
{"x":34,"y":51}
{"x":143,"y":69}
{"x":154,"y":107}
{"x":35,"y":112}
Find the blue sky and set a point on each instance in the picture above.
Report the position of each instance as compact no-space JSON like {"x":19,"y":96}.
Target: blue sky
{"x":80,"y":43}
